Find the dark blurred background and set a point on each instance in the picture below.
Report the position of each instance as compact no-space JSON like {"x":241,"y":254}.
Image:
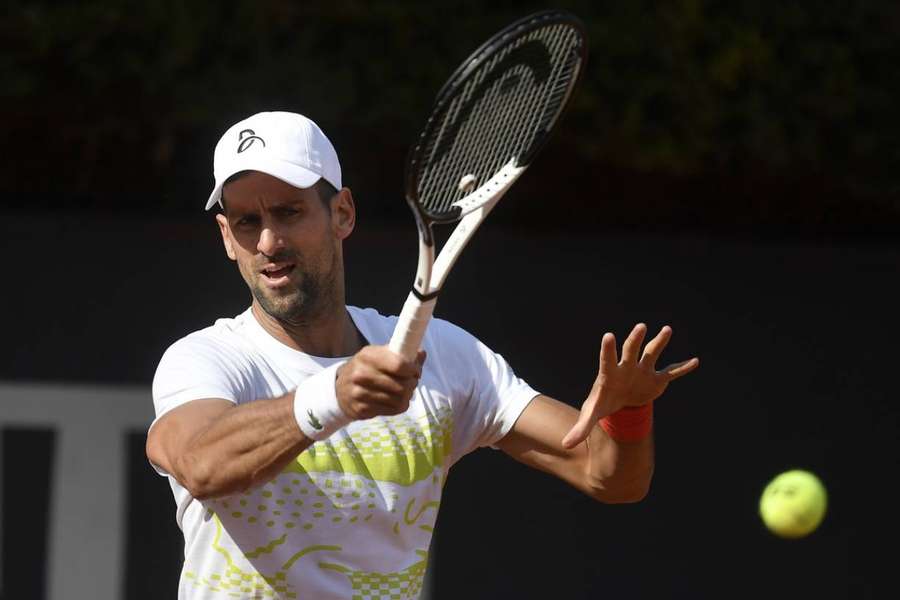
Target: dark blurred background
{"x":715,"y":115}
{"x":729,"y":168}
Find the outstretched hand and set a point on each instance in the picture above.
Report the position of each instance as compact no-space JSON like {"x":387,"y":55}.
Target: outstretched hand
{"x":631,"y":381}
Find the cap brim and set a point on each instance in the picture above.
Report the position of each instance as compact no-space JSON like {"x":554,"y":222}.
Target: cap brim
{"x":287,"y":172}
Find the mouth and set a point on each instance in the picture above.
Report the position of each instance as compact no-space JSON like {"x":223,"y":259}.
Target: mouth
{"x":276,"y":274}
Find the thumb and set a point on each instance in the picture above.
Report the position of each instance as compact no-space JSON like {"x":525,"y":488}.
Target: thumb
{"x":420,"y":360}
{"x":586,"y":421}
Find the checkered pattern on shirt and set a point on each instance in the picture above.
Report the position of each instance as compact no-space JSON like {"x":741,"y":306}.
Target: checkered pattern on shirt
{"x":405,"y":585}
{"x":376,"y":440}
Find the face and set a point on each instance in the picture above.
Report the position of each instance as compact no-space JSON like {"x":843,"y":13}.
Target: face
{"x":287,"y":244}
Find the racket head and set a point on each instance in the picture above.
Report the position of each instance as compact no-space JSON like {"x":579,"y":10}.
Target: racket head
{"x":499,"y":107}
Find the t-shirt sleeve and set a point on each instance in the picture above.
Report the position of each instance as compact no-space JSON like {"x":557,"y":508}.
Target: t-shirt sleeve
{"x":490,"y":395}
{"x":194,"y":368}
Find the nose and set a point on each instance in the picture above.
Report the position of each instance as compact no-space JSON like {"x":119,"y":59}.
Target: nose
{"x":269,"y":241}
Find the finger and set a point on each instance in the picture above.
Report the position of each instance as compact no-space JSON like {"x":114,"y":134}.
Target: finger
{"x":420,"y":362}
{"x":587,"y":419}
{"x":655,"y":346}
{"x":608,"y":355}
{"x":396,"y":396}
{"x":632,"y":345}
{"x":378,"y":405}
{"x":377,"y":381}
{"x":409,"y":386}
{"x":409,"y":368}
{"x":381,"y":358}
{"x":680,"y":369}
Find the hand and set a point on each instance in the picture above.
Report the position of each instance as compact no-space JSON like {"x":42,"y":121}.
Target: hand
{"x":626,"y":382}
{"x":376,"y":382}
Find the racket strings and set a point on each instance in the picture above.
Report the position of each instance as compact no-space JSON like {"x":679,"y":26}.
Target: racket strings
{"x":487,"y":123}
{"x":497,"y":114}
{"x":466,"y":147}
{"x":464,"y":155}
{"x":484,"y":123}
{"x":497,"y":120}
{"x":534,"y":109}
{"x":548,"y":103}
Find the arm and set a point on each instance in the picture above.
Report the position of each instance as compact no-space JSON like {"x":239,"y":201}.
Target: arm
{"x":602,"y":468}
{"x":215,"y":448}
{"x":549,"y":434}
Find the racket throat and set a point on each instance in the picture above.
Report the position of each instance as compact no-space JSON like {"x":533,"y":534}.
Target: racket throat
{"x":425,"y":297}
{"x":422,"y":286}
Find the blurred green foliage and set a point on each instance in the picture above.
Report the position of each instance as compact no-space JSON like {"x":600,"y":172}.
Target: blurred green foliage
{"x":105,"y":98}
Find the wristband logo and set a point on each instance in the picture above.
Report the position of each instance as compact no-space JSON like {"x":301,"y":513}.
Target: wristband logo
{"x":313,"y":421}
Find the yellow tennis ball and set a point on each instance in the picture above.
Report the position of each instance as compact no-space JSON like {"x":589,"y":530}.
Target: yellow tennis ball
{"x":793,"y":504}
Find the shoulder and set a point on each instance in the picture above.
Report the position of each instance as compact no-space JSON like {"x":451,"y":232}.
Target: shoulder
{"x":450,"y":337}
{"x":375,"y":327}
{"x":462,"y":354}
{"x":214,"y":362}
{"x":223,"y":342}
{"x":456,"y":352}
{"x":440,"y":337}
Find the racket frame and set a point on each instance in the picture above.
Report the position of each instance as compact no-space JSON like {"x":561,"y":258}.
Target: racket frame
{"x":472,"y":209}
{"x":431,"y":273}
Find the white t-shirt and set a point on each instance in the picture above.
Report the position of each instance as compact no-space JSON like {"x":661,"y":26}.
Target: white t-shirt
{"x":352,"y":516}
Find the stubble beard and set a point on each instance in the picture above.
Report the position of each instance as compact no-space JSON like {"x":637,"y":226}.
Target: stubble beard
{"x":313,"y":297}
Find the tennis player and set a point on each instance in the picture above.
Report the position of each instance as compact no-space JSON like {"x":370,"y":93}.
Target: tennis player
{"x":307,"y":460}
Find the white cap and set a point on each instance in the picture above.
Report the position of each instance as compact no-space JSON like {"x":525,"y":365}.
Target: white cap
{"x":284,"y":145}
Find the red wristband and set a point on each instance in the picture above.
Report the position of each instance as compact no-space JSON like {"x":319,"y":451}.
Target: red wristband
{"x":631,"y":424}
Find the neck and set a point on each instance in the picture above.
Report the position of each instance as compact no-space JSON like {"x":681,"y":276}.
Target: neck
{"x":331,"y":334}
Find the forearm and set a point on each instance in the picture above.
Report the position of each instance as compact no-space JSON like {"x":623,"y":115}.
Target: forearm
{"x":604,"y":469}
{"x":245,"y":446}
{"x":618,"y":472}
{"x":214,"y":448}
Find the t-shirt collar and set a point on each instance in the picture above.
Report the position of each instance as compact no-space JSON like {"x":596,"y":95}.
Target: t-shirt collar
{"x":312,"y":363}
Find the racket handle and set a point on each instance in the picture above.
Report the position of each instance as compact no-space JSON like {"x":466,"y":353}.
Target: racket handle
{"x":411,"y":326}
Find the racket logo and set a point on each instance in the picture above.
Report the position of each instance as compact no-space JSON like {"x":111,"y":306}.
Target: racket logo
{"x":313,"y":421}
{"x":509,"y":83}
{"x":532,"y":55}
{"x":246,"y":142}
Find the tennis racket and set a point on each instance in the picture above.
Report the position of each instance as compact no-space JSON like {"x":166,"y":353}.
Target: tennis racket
{"x":486,"y":126}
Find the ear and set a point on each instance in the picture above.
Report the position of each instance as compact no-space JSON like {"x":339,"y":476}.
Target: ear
{"x":343,"y":214}
{"x":226,"y":236}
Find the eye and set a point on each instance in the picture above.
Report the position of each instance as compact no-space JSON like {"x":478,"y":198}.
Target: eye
{"x":287,"y":211}
{"x":246,"y":221}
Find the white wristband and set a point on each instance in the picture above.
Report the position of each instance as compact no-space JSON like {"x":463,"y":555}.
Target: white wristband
{"x":316,"y":408}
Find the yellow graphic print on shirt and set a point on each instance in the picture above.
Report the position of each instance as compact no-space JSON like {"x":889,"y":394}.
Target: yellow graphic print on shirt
{"x":400,"y":450}
{"x":239,"y":583}
{"x":333,"y":487}
{"x":404,"y":585}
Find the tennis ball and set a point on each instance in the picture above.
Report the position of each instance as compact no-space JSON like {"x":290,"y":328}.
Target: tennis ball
{"x":793,"y":504}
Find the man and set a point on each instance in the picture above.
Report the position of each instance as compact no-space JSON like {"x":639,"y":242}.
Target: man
{"x":307,"y":460}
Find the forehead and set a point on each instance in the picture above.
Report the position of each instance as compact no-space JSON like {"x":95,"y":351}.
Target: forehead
{"x":256,"y":190}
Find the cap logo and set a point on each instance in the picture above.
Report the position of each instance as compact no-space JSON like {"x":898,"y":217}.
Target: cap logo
{"x":247,"y":137}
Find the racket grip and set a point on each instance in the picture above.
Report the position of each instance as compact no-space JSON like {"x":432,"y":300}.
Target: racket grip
{"x":411,"y":326}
